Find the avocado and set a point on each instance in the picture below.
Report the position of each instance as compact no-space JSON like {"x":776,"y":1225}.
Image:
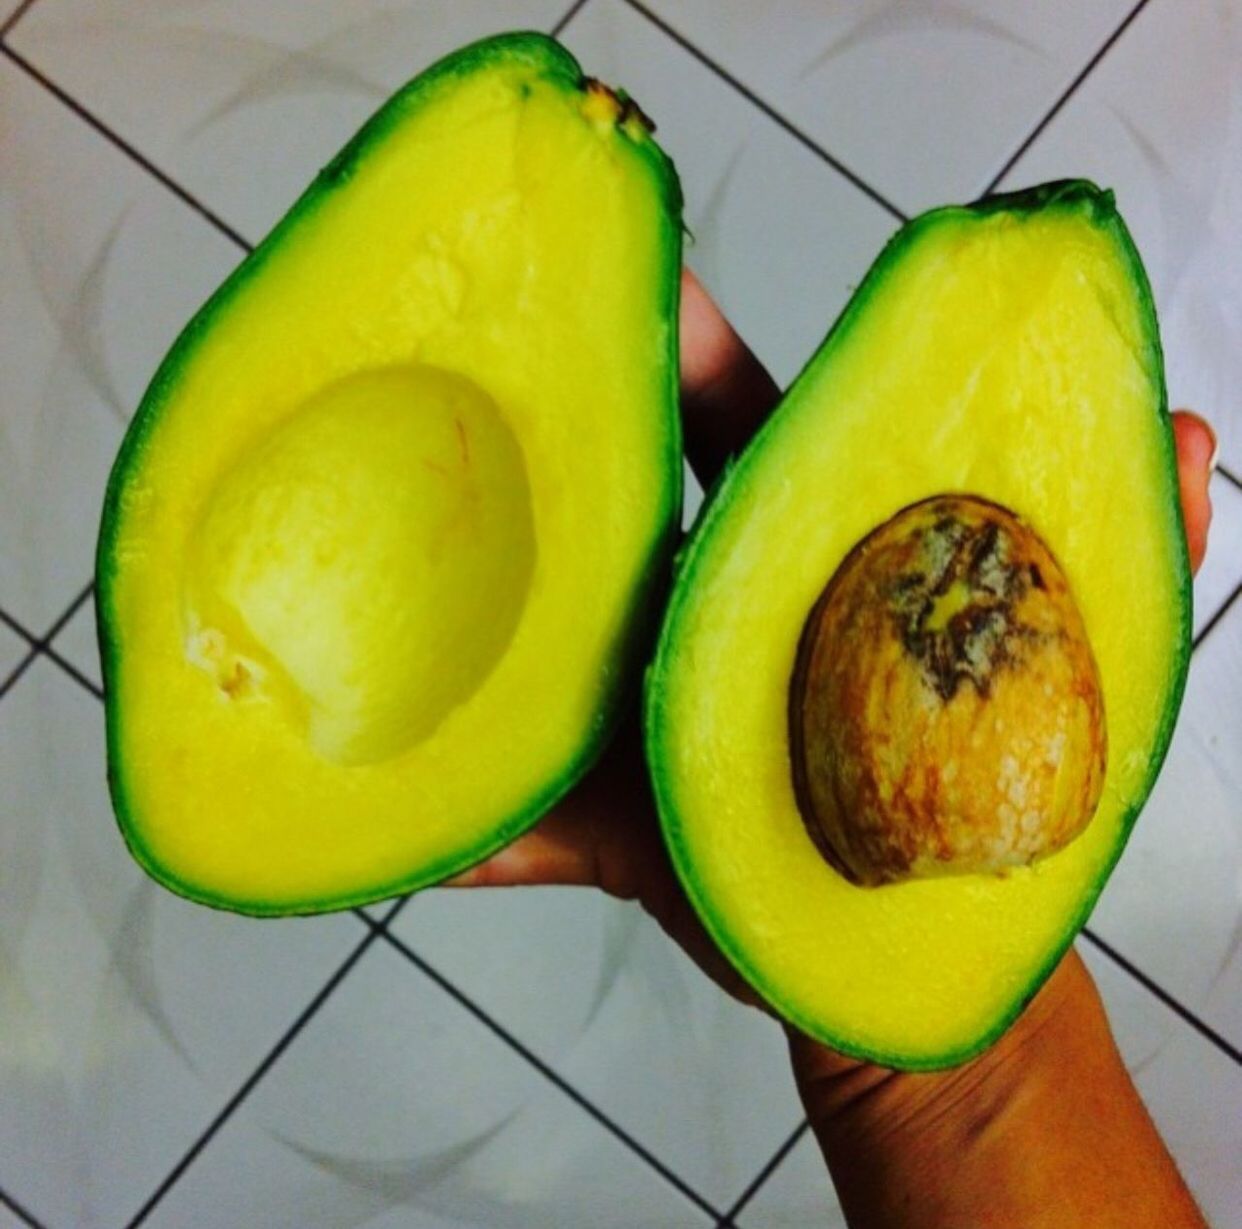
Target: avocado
{"x":929,"y":635}
{"x":381,"y":547}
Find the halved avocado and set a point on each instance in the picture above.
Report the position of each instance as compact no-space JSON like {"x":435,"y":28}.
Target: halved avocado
{"x":1005,"y":352}
{"x":380,"y":547}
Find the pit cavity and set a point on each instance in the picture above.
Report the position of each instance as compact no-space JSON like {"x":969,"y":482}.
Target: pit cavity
{"x":365,"y":564}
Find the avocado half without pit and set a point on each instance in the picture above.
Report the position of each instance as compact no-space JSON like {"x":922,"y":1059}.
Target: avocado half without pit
{"x":928,"y":638}
{"x":380,"y":549}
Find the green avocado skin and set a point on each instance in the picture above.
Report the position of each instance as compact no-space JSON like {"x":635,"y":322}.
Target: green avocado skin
{"x":731,"y":488}
{"x":553,"y":63}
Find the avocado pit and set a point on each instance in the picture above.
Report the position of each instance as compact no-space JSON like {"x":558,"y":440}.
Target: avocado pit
{"x":946,"y":712}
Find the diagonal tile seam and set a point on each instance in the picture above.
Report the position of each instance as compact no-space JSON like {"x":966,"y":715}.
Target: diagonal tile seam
{"x":564,"y":1086}
{"x":225,"y":229}
{"x":73,"y":672}
{"x":391,"y":911}
{"x":1068,"y":93}
{"x":26,"y":1217}
{"x":14,"y":17}
{"x":567,"y":17}
{"x":1221,"y":611}
{"x":774,"y":1162}
{"x":6,"y":685}
{"x":1132,"y":970}
{"x":782,"y":121}
{"x":1228,"y":474}
{"x":374,"y":931}
{"x":1227,"y":1048}
{"x":729,"y":78}
{"x":42,"y":645}
{"x":131,"y":151}
{"x":58,"y":625}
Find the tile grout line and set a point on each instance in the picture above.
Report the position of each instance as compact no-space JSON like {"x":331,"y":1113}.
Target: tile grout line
{"x":543,"y":1068}
{"x":73,"y":672}
{"x":16,"y":673}
{"x":255,"y":1077}
{"x":18,"y":629}
{"x":14,"y":17}
{"x":389,"y":913}
{"x":1221,"y":611}
{"x":772,"y":1165}
{"x":1154,"y":988}
{"x":771,"y":112}
{"x":574,"y":9}
{"x":38,"y":642}
{"x":41,"y":645}
{"x":27,"y":1218}
{"x":1066,"y":95}
{"x":125,"y":147}
{"x":68,"y":613}
{"x":376,"y":928}
{"x":1229,"y":475}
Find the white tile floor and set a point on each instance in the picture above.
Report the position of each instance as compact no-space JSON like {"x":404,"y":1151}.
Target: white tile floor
{"x":535,"y":1058}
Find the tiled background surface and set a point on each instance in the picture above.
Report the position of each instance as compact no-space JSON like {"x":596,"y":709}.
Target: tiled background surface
{"x":536,"y":1058}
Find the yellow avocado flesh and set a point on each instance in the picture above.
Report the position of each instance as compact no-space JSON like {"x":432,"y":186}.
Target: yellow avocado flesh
{"x":376,"y":561}
{"x":1008,"y":354}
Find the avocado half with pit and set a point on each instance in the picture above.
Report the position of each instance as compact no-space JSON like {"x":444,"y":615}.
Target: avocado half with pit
{"x":379,"y":552}
{"x":929,"y":636}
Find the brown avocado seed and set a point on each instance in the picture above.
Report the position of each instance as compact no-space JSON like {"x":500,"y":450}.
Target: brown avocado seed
{"x":946,"y":715}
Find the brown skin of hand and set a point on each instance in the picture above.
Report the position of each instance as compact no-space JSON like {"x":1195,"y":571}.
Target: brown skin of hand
{"x":1044,"y":1130}
{"x":1044,"y":1124}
